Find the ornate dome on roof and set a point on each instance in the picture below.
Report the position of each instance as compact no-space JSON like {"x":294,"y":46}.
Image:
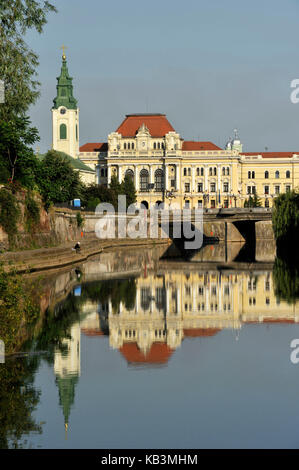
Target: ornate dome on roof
{"x":235,"y":143}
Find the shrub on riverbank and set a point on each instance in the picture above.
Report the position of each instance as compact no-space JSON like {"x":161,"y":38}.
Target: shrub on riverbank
{"x":32,"y":212}
{"x":18,"y":311}
{"x":9,"y":213}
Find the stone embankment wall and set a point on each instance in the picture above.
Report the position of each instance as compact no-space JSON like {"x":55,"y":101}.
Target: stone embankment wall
{"x":59,"y":226}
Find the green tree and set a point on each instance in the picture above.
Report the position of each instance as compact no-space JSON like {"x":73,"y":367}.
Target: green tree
{"x":16,"y":155}
{"x":57,"y":180}
{"x":18,"y":63}
{"x":115,"y":186}
{"x":128,"y":188}
{"x":9,"y":214}
{"x":94,"y":194}
{"x":254,"y":201}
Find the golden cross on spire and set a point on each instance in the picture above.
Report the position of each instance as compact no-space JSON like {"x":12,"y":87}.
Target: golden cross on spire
{"x":63,"y":50}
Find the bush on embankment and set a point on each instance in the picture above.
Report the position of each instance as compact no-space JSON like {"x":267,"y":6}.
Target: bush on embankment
{"x":18,"y":311}
{"x":20,"y":214}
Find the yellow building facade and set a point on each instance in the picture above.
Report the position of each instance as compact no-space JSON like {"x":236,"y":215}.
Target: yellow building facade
{"x":187,"y":174}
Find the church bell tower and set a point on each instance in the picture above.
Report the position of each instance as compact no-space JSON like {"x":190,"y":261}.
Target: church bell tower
{"x":65,"y":115}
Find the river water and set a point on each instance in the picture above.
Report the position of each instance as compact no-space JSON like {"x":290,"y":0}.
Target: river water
{"x":138,"y":350}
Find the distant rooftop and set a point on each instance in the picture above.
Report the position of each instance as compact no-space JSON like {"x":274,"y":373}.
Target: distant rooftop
{"x":157,"y":124}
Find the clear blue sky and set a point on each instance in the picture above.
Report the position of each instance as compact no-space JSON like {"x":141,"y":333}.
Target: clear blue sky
{"x":210,"y":65}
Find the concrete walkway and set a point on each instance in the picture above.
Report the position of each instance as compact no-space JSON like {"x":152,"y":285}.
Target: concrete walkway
{"x":55,"y":257}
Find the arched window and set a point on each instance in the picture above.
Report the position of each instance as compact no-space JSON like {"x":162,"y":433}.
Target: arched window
{"x":288,"y":174}
{"x":276,"y":174}
{"x":159,"y":180}
{"x":129,"y":146}
{"x":63,"y":131}
{"x":201,"y":172}
{"x":189,"y":171}
{"x":185,"y":171}
{"x":130,"y":174}
{"x":125,"y":146}
{"x":253,"y":174}
{"x":197,"y":171}
{"x":159,"y":205}
{"x":266,"y":175}
{"x":159,"y":145}
{"x":215,"y":171}
{"x":132,"y":145}
{"x":211,"y":171}
{"x":155,"y":146}
{"x":249,"y":174}
{"x":223,"y":171}
{"x":227,"y":171}
{"x":144,"y":180}
{"x":144,"y":204}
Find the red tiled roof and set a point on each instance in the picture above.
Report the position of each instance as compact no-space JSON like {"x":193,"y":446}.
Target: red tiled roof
{"x":271,"y":154}
{"x":191,"y":145}
{"x":278,"y":320}
{"x":157,"y":125}
{"x":195,"y":332}
{"x":271,"y":320}
{"x":94,"y":147}
{"x":158,"y":354}
{"x":92,"y":332}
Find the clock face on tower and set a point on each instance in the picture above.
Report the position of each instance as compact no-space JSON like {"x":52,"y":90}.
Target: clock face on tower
{"x":62,"y":111}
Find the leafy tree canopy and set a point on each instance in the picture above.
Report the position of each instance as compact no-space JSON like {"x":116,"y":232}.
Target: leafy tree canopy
{"x":57,"y":180}
{"x":93,"y":194}
{"x":18,"y":63}
{"x":254,"y":201}
{"x":17,"y":159}
{"x":128,"y":188}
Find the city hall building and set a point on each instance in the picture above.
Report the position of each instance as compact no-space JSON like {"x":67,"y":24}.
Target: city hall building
{"x":166,"y":168}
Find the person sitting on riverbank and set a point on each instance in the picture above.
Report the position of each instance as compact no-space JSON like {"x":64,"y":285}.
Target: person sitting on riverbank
{"x":77,"y":247}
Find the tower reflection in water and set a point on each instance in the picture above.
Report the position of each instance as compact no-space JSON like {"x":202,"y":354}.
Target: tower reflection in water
{"x":148,"y":317}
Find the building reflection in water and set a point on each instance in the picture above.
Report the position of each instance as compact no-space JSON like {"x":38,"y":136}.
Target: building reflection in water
{"x":165,"y":307}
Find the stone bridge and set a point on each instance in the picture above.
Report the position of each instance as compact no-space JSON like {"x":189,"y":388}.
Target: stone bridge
{"x":227,"y":225}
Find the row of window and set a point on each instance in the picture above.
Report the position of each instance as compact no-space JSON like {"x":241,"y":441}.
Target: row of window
{"x":202,"y":307}
{"x":251,"y":174}
{"x":252,"y":301}
{"x":129,"y":146}
{"x":200,"y":187}
{"x":252,"y":189}
{"x":212,"y":171}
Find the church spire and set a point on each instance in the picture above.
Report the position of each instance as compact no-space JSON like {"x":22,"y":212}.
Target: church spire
{"x":65,"y":87}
